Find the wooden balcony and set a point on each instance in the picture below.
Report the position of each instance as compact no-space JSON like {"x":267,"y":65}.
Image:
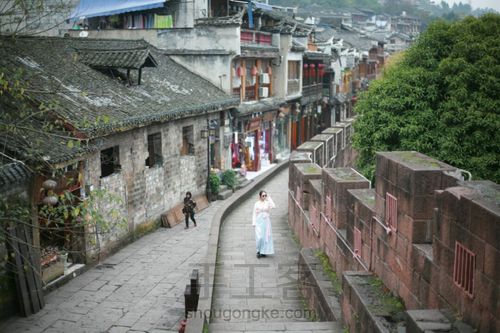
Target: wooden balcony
{"x":255,"y":37}
{"x":315,"y":89}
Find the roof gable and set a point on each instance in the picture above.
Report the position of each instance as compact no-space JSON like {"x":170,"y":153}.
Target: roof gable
{"x":121,"y":58}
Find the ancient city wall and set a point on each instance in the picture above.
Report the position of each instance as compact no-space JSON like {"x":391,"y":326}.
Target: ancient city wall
{"x":431,"y":239}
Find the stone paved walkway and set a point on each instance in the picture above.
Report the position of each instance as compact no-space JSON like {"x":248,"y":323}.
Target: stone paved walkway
{"x":250,"y":289}
{"x":139,"y":289}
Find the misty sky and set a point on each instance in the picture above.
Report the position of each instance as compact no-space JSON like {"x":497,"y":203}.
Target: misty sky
{"x":495,"y":4}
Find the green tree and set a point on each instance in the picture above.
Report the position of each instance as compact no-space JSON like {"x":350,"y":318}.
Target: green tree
{"x":441,"y":98}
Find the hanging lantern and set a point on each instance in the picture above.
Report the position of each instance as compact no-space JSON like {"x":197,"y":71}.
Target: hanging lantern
{"x":254,"y":71}
{"x":50,"y":200}
{"x":239,"y":72}
{"x":49,"y":184}
{"x":312,"y":69}
{"x":321,"y":68}
{"x":306,"y":71}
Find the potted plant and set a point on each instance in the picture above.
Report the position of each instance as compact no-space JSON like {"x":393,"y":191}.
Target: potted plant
{"x":213,"y":185}
{"x":229,"y":179}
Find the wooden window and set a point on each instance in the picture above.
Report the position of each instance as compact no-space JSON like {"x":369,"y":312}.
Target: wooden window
{"x":463,"y":269}
{"x":154,"y":149}
{"x":357,"y":242}
{"x":293,"y":70}
{"x":187,"y":140}
{"x":110,"y":161}
{"x":391,"y":211}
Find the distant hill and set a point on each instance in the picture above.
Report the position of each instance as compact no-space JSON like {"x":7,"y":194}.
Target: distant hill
{"x":328,"y":4}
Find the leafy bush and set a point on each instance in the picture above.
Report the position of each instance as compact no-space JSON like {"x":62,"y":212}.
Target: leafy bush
{"x":440,"y":98}
{"x":229,"y":178}
{"x":214,"y":183}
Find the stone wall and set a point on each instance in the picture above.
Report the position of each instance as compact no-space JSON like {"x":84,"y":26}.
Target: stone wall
{"x":468,"y":214}
{"x":147,"y":192}
{"x":416,"y":231}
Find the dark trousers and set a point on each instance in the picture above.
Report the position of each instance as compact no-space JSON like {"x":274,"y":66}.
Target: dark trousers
{"x":187,"y":215}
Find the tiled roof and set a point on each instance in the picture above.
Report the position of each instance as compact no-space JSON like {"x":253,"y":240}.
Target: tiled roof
{"x":324,"y":34}
{"x":13,"y":173}
{"x":221,"y":21}
{"x":260,"y":51}
{"x":354,"y":39}
{"x":36,"y":139}
{"x":258,"y":106}
{"x":133,"y":59}
{"x":286,"y":24}
{"x":298,"y":47}
{"x":97,"y":104}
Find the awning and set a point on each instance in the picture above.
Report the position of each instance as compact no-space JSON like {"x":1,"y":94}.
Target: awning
{"x":93,"y":8}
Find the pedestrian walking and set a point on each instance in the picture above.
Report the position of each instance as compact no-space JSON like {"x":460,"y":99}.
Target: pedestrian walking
{"x":188,"y":209}
{"x":262,"y":224}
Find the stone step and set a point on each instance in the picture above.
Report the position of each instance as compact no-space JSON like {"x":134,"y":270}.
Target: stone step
{"x":223,"y":195}
{"x":244,"y":182}
{"x":272,"y":327}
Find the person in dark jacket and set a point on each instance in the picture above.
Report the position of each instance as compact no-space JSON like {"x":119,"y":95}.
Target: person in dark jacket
{"x":188,"y":210}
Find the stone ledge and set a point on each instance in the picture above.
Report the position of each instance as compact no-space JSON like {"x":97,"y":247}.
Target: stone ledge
{"x":428,"y":321}
{"x":317,"y":287}
{"x":368,"y":306}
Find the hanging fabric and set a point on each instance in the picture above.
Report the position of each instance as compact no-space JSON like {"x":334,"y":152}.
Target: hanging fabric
{"x":254,"y":71}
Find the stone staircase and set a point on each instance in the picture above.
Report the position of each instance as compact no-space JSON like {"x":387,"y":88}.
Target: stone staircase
{"x":271,"y":327}
{"x":225,"y":192}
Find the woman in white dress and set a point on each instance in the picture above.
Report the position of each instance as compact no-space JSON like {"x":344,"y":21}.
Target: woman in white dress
{"x":262,"y":224}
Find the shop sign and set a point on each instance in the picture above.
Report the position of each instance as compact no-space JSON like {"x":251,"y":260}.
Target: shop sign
{"x":253,"y":125}
{"x":269,"y":116}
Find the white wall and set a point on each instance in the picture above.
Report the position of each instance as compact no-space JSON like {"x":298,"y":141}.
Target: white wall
{"x":198,"y":38}
{"x":48,"y":21}
{"x":216,"y":69}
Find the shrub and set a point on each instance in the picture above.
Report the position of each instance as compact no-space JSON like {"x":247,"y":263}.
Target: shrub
{"x":229,"y":178}
{"x":214,"y":183}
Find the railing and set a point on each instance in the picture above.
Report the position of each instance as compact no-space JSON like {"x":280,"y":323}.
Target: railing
{"x":250,"y":93}
{"x":305,"y":216}
{"x":313,"y":90}
{"x":255,"y":37}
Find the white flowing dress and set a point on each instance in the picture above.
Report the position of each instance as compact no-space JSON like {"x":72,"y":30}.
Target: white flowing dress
{"x":262,"y":224}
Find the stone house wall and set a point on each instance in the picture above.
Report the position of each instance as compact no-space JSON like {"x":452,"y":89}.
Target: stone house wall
{"x":147,"y":192}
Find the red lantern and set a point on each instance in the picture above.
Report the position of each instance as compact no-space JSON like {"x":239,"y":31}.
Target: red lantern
{"x":306,"y":70}
{"x":312,"y":69}
{"x":239,"y":71}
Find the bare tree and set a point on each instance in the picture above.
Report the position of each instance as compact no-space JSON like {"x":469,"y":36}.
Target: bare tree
{"x":35,"y":17}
